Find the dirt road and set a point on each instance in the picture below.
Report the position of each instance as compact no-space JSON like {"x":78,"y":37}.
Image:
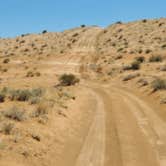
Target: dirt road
{"x":125,"y":131}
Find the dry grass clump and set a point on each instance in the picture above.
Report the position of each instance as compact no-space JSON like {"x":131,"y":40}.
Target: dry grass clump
{"x":130,"y":76}
{"x":25,"y":95}
{"x":135,"y":65}
{"x":142,"y":82}
{"x":159,"y":84}
{"x":20,"y":95}
{"x":15,"y":113}
{"x":33,"y":74}
{"x":7,"y":128}
{"x":41,"y":109}
{"x":156,"y":58}
{"x":163,"y":68}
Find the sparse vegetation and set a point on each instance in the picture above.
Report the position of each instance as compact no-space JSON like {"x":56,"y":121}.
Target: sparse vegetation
{"x":20,"y":94}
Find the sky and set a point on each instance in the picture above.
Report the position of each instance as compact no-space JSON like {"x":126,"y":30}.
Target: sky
{"x":33,"y":16}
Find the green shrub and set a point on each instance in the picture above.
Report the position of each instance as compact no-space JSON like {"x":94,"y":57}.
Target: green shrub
{"x":68,"y":80}
{"x":44,"y":31}
{"x":15,"y":114}
{"x":83,"y":26}
{"x":159,"y":84}
{"x":156,"y":58}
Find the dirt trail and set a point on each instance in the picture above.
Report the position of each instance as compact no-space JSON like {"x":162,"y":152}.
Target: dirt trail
{"x":125,"y":131}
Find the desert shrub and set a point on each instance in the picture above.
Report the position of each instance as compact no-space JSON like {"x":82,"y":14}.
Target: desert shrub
{"x":144,"y":20}
{"x":140,"y":59}
{"x":34,"y":100}
{"x":118,"y":22}
{"x":148,"y":51}
{"x":5,"y":90}
{"x":130,"y":76}
{"x":68,"y":79}
{"x":135,"y":65}
{"x":140,"y":51}
{"x":2,"y":97}
{"x":126,"y":67}
{"x":37,"y":92}
{"x":75,"y":35}
{"x":163,"y":46}
{"x":30,"y":74}
{"x":25,"y":94}
{"x":38,"y":74}
{"x":4,"y":70}
{"x":155,"y":58}
{"x":118,"y":57}
{"x":44,"y":31}
{"x":143,"y":82}
{"x":15,"y":114}
{"x":20,"y":95}
{"x":159,"y":84}
{"x":163,"y":68}
{"x":120,"y":49}
{"x":7,"y":127}
{"x":7,"y":60}
{"x":83,"y":26}
{"x":41,"y":109}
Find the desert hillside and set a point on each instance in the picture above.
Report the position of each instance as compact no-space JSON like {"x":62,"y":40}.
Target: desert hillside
{"x":87,"y":96}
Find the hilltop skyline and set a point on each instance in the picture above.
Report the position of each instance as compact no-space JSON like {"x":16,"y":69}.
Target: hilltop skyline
{"x":19,"y":17}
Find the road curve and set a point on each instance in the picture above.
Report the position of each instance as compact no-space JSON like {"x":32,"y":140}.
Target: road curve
{"x":125,"y":131}
{"x":126,"y":142}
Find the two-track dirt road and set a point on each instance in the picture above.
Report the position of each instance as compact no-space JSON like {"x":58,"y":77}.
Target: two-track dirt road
{"x":125,"y":130}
